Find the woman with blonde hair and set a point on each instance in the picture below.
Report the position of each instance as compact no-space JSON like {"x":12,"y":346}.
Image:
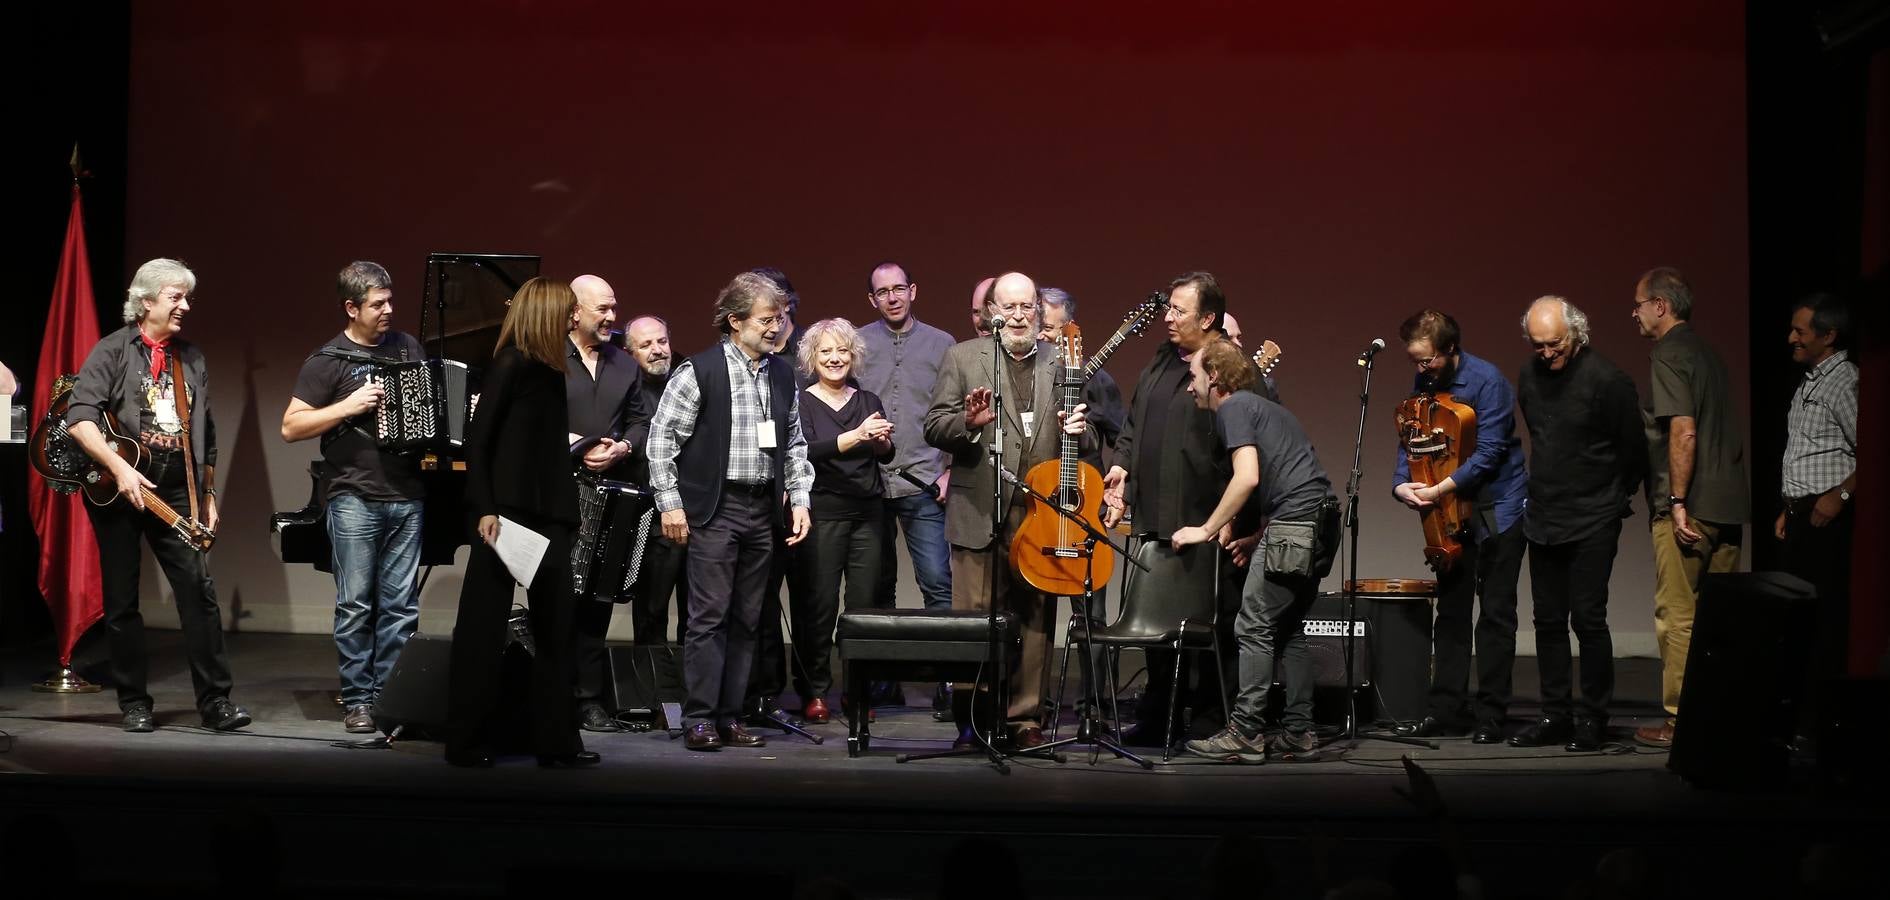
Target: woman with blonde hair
{"x":518,"y":465}
{"x":848,"y":437}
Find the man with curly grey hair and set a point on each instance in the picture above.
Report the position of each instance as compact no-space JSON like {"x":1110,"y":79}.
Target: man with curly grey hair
{"x":133,"y":375}
{"x":1590,"y":456}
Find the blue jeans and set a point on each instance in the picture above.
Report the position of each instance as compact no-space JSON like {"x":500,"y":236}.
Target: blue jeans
{"x":924,"y":522}
{"x":377,"y":604}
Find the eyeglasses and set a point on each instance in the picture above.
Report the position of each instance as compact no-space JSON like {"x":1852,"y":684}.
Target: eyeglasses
{"x":902,"y":291}
{"x":1638,"y":301}
{"x":1015,"y":310}
{"x":769,"y":321}
{"x":1179,"y":312}
{"x":1556,"y":344}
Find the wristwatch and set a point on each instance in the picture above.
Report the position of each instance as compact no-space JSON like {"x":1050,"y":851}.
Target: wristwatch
{"x":1676,"y":501}
{"x":1844,"y":495}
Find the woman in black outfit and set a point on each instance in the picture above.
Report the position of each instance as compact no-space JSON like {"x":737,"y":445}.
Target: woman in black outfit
{"x":848,"y":436}
{"x":518,"y":465}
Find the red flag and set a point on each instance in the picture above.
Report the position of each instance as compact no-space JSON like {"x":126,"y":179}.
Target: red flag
{"x":68,"y":550}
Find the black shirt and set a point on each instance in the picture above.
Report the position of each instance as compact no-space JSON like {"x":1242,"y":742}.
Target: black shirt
{"x":1292,"y":483}
{"x":1587,"y":451}
{"x":1177,"y":465}
{"x":357,"y":463}
{"x":846,"y":485}
{"x":605,"y":404}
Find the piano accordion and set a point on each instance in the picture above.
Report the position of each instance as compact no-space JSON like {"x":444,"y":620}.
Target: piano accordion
{"x":616,"y":523}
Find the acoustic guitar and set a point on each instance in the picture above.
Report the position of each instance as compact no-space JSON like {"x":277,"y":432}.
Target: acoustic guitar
{"x":57,"y":456}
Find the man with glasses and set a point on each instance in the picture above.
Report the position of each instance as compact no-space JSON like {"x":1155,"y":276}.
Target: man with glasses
{"x":1590,"y":456}
{"x":901,"y":366}
{"x":1170,"y":469}
{"x":725,"y":446}
{"x":1696,"y":484}
{"x":961,"y":422}
{"x":134,"y":373}
{"x":1494,"y":480}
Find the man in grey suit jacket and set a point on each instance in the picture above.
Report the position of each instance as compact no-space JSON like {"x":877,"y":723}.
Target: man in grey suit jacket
{"x":962,"y":422}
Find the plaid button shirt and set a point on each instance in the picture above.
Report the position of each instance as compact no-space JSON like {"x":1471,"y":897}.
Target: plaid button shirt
{"x":1821,"y":429}
{"x":749,"y":400}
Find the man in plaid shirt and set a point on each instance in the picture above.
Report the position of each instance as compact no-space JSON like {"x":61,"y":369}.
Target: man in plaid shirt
{"x":725,"y":451}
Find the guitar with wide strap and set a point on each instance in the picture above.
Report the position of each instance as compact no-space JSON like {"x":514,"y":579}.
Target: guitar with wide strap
{"x":57,"y":457}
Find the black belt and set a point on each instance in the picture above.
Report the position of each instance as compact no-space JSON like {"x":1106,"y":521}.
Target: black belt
{"x":751,"y":488}
{"x":1795,"y":505}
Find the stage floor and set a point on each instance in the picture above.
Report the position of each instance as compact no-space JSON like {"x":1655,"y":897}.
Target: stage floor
{"x":282,"y":802}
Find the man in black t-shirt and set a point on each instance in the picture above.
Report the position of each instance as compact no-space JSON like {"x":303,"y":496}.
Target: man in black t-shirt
{"x":1277,"y":480}
{"x":375,"y":499}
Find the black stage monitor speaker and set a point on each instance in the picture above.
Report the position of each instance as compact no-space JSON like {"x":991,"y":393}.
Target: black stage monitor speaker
{"x":415,"y":696}
{"x":647,"y":681}
{"x":1744,"y":679}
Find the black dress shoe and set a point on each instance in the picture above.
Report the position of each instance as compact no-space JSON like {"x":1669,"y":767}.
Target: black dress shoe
{"x":967,"y":738}
{"x":469,"y":759}
{"x":576,"y":760}
{"x":702,"y":736}
{"x":592,"y":717}
{"x":1428,"y":727}
{"x":1543,"y":732}
{"x":222,"y":715}
{"x":139,"y":720}
{"x":1586,"y":737}
{"x":1489,"y":731}
{"x":734,"y":735}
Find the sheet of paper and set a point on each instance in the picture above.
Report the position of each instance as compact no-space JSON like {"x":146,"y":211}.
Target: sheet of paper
{"x":521,"y":549}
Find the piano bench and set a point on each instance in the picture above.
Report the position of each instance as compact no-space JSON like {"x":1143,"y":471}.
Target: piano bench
{"x":910,"y":645}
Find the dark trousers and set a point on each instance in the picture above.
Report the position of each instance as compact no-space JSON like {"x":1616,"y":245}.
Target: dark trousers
{"x":843,"y":550}
{"x":649,"y":614}
{"x":1569,"y":588}
{"x":119,"y":527}
{"x":668,"y":577}
{"x":1822,"y":556}
{"x":1485,"y":574}
{"x":768,"y":676}
{"x":729,"y":560}
{"x":474,"y":714}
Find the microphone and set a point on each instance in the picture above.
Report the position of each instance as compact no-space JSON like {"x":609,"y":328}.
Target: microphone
{"x":1376,"y":345}
{"x":998,"y":321}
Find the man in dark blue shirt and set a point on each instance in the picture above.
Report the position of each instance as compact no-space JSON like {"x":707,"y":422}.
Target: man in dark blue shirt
{"x":1492,"y":478}
{"x":1590,"y":457}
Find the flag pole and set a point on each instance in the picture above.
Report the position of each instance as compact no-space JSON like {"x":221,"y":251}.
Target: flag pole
{"x":64,"y":680}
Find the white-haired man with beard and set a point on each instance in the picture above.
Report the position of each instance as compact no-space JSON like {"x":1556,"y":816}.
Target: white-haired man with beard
{"x":961,"y":422}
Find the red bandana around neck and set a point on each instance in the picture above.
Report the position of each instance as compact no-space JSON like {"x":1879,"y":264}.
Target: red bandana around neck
{"x":157,"y":355}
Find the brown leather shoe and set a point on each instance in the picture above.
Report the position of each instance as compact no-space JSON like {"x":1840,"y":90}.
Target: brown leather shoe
{"x":1655,"y":735}
{"x":1027,"y":737}
{"x":816,"y":712}
{"x":702,"y":736}
{"x":734,"y":735}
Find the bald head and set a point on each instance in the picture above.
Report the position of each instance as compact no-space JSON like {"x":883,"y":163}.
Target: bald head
{"x":1556,"y":330}
{"x":1014,"y":296}
{"x":981,"y":319}
{"x":596,"y":311}
{"x":1231,"y":327}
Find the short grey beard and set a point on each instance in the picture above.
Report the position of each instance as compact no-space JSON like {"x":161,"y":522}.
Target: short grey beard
{"x":658,"y":369}
{"x":1018,"y":344}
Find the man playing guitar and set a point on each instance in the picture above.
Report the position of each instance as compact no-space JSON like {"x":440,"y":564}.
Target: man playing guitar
{"x":132,"y":376}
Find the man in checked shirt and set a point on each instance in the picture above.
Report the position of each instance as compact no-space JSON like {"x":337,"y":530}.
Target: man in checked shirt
{"x":725,"y":450}
{"x":1820,"y":472}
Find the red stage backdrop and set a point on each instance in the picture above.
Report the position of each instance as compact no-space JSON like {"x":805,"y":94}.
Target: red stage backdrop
{"x":1338,"y":167}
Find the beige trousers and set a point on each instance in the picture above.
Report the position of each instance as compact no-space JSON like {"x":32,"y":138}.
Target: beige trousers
{"x":971,"y":590}
{"x":1677,"y":573}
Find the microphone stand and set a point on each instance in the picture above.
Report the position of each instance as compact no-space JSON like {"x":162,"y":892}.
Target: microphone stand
{"x":1350,"y":573}
{"x":996,"y":652}
{"x":1088,"y":730}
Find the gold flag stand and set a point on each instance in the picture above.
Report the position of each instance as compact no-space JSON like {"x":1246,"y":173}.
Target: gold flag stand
{"x":65,"y":681}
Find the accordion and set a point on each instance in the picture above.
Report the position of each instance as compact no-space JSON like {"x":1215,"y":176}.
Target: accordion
{"x":426,"y":406}
{"x":616,"y":522}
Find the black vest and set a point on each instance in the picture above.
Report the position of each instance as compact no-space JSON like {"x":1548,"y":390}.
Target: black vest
{"x":702,"y":461}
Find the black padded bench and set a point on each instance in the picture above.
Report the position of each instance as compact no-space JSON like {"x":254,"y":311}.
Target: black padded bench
{"x":909,"y":645}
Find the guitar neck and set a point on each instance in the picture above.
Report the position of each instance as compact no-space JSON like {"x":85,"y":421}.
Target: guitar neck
{"x":1103,"y":352}
{"x":159,"y":508}
{"x":1068,"y":477}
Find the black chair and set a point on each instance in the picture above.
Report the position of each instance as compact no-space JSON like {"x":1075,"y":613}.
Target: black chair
{"x":1173,"y":605}
{"x":910,"y":645}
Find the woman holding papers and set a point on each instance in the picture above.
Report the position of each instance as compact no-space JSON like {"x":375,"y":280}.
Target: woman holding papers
{"x":523,"y":500}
